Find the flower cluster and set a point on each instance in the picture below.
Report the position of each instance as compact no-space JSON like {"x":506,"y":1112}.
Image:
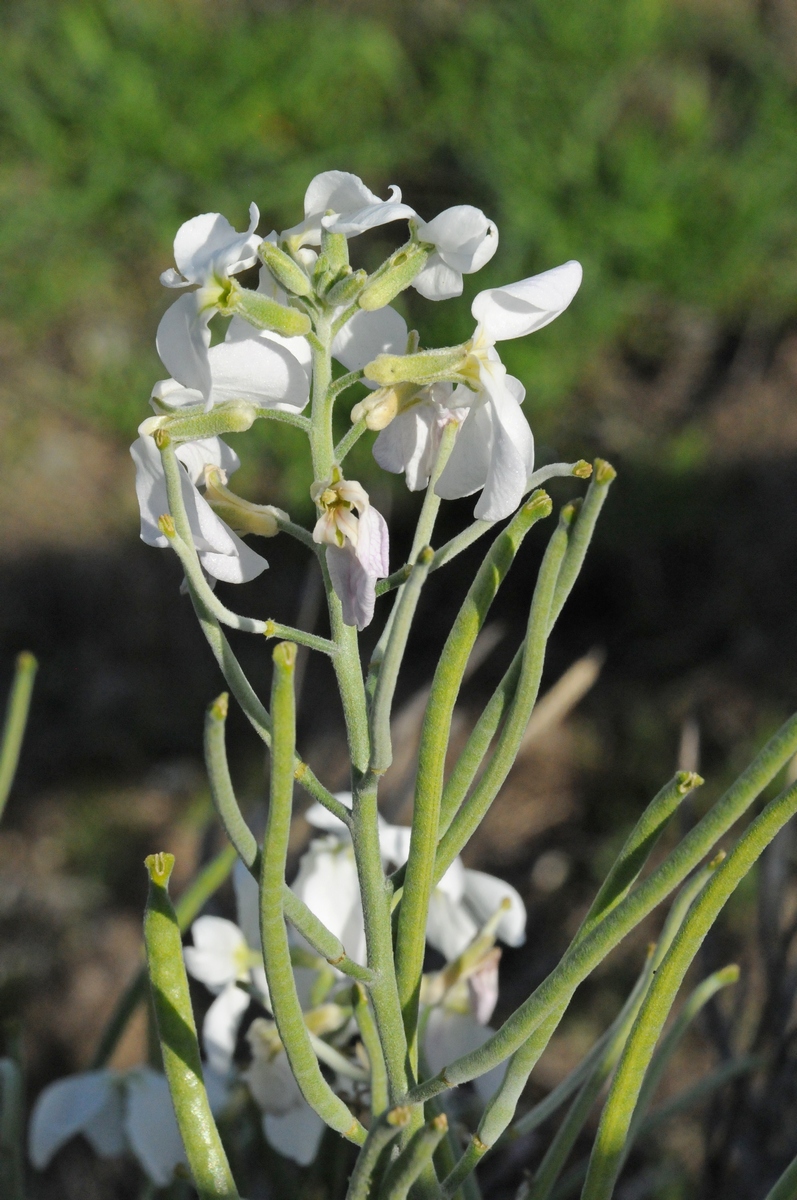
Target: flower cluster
{"x":265,"y":367}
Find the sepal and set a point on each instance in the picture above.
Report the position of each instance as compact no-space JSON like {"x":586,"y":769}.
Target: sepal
{"x":396,"y":274}
{"x":231,"y":416}
{"x":264,"y":313}
{"x":287,"y":273}
{"x":426,"y":367}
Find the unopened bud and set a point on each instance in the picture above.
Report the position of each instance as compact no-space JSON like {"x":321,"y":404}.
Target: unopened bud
{"x":287,"y":273}
{"x":231,"y":416}
{"x":394,"y":275}
{"x":335,"y":248}
{"x":427,"y":367}
{"x":265,"y":313}
{"x":241,"y":515}
{"x":347,"y":289}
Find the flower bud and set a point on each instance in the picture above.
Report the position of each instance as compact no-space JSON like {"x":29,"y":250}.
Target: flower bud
{"x":347,"y":289}
{"x":394,"y":275}
{"x":241,"y":515}
{"x":265,"y":313}
{"x":429,"y":366}
{"x":335,"y":248}
{"x":286,"y":272}
{"x":379,"y":409}
{"x":231,"y":416}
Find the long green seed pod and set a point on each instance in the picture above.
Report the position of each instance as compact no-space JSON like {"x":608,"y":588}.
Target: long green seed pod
{"x":414,"y":1159}
{"x":369,"y":1033}
{"x":786,"y":1186}
{"x":274,"y":935}
{"x":447,"y":680}
{"x":15,"y":722}
{"x":607,"y":1154}
{"x":383,"y":1131}
{"x":603,"y":476}
{"x":177,"y":1033}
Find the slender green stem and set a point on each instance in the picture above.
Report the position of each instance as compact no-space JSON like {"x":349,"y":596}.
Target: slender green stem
{"x":286,"y":525}
{"x":178,"y":1040}
{"x":786,"y":1186}
{"x":350,"y":439}
{"x":321,"y":440}
{"x":381,"y":745}
{"x":460,"y":542}
{"x":345,"y":381}
{"x":285,"y":1002}
{"x":286,"y":418}
{"x":369,"y":1033}
{"x":458,"y":826}
{"x":608,"y":1150}
{"x":581,"y":959}
{"x":16,"y":719}
{"x":274,"y":630}
{"x":411,"y":935}
{"x":391,"y":582}
{"x":12,"y":1170}
{"x":413,"y":1160}
{"x":382,"y":1132}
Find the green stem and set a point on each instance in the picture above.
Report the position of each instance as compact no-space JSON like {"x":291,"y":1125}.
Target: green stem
{"x":382,"y":1132}
{"x":369,"y":1033}
{"x":287,"y":632}
{"x":15,"y":722}
{"x":457,"y":827}
{"x":411,"y":936}
{"x":349,"y":440}
{"x":178,"y":1040}
{"x":608,"y":1150}
{"x":461,"y":542}
{"x":581,"y":959}
{"x":391,"y":582}
{"x":786,"y":1186}
{"x":406,"y":603}
{"x":581,"y":536}
{"x":413,"y":1160}
{"x":276,"y":952}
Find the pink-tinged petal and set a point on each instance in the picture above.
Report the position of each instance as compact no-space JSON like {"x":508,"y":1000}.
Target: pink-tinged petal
{"x":437,"y":280}
{"x":296,"y":1135}
{"x":354,"y":586}
{"x":152,"y":1126}
{"x":465,"y":239}
{"x":70,"y":1106}
{"x":483,"y":987}
{"x":221,"y":1025}
{"x":469,"y":464}
{"x":261,"y":371}
{"x":484,"y":894}
{"x":521,"y":308}
{"x":182,"y":341}
{"x":195,"y":456}
{"x":373,"y":543}
{"x":383,"y":331}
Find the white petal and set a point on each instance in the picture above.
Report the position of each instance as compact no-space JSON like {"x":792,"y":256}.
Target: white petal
{"x":297,"y":1135}
{"x":327,"y":883}
{"x":247,"y":900}
{"x":195,"y":456}
{"x":173,"y":279}
{"x":512,"y":457}
{"x":321,"y":818}
{"x":521,"y":308}
{"x":394,"y":843}
{"x":269,"y":1076}
{"x":152,"y":1126}
{"x":220,"y":1027}
{"x":337,"y":190}
{"x":437,"y":280}
{"x":449,"y":927}
{"x":354,"y":586}
{"x":240,"y":566}
{"x":453,"y":882}
{"x":469,"y":464}
{"x":260,"y":371}
{"x":465,"y":239}
{"x":69,"y":1106}
{"x":381,"y":213}
{"x":373,"y":543}
{"x":182,"y":342}
{"x":208,"y":244}
{"x":484,"y":894}
{"x":218,"y":951}
{"x":483,"y":989}
{"x":366,"y":334}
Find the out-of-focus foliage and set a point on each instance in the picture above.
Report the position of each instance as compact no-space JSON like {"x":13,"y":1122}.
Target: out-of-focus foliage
{"x":652,"y":140}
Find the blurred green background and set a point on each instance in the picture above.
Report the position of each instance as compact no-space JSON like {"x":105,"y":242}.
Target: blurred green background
{"x":653,"y":140}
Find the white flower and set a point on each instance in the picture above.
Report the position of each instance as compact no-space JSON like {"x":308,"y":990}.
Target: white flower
{"x":357,"y":546}
{"x":411,"y":441}
{"x":463,"y":901}
{"x":222,"y":553}
{"x":494,"y":450}
{"x":367,"y":334}
{"x":340,"y":202}
{"x":269,"y":372}
{"x":289,"y":1123}
{"x":449,"y":1034}
{"x":464,"y":240}
{"x":208,"y":248}
{"x":115,"y":1112}
{"x":240,"y":330}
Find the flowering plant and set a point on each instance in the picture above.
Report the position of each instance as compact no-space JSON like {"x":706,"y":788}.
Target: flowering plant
{"x":348,"y":1033}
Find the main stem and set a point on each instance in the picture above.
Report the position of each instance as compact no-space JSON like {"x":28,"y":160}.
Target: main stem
{"x":365,"y":827}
